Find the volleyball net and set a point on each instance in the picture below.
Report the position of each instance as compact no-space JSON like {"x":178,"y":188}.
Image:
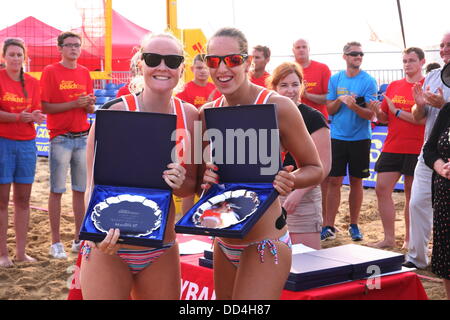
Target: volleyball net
{"x":95,"y":29}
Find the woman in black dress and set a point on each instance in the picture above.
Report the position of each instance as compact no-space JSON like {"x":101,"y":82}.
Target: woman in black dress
{"x":436,"y":154}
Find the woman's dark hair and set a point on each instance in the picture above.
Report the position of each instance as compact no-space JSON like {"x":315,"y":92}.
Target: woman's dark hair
{"x":233,"y":33}
{"x":18,"y":43}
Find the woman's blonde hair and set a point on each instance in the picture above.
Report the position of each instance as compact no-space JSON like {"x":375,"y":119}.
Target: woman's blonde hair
{"x":137,"y":82}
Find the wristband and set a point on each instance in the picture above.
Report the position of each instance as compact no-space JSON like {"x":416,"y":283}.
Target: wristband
{"x":17,"y":117}
{"x":398,"y":112}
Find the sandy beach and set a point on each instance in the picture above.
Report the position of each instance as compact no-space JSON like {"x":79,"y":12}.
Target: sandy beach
{"x":47,"y":279}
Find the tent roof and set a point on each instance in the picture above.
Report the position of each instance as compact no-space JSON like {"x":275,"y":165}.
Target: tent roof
{"x":125,"y":32}
{"x":33,"y":31}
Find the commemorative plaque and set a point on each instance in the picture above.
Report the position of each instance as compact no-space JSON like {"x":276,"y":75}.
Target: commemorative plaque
{"x":134,"y":215}
{"x":245,"y":147}
{"x":226,"y":209}
{"x":132,"y":150}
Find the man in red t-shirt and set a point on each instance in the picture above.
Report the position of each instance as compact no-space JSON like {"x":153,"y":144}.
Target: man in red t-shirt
{"x":402,"y":145}
{"x":261,"y":57}
{"x":67,"y":98}
{"x":316,"y":76}
{"x":199,"y":91}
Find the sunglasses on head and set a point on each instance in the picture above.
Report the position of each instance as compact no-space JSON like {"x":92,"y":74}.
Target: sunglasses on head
{"x":231,"y":60}
{"x":172,"y":61}
{"x":355,"y":54}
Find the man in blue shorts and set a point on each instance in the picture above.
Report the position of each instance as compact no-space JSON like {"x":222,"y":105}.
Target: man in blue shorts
{"x":349,"y":94}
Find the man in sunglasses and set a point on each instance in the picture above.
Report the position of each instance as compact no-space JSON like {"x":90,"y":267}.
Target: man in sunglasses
{"x":67,"y":98}
{"x":258,"y":73}
{"x":349,"y":94}
{"x":316,"y":76}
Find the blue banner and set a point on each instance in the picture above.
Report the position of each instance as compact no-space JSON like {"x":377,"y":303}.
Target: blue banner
{"x":42,"y":137}
{"x":378,"y":136}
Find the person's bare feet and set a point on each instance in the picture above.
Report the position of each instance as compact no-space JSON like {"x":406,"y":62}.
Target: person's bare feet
{"x":26,"y":258}
{"x":382,"y":244}
{"x":5,"y":262}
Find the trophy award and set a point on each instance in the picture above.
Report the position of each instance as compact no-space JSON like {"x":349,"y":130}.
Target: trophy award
{"x":244,"y":142}
{"x":132,"y":149}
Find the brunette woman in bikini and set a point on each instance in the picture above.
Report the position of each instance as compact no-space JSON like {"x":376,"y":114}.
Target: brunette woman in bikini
{"x":243,"y":268}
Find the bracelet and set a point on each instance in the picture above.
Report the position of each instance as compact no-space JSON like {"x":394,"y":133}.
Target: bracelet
{"x":398,"y":112}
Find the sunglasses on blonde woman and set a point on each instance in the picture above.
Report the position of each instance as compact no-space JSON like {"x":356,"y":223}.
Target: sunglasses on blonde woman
{"x":153,"y":60}
{"x":231,"y":60}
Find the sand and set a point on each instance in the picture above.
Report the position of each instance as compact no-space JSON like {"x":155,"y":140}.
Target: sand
{"x":48,"y":278}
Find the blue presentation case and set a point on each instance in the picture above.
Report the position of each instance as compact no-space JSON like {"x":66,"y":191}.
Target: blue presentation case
{"x":363,"y":259}
{"x":309,"y":271}
{"x":241,"y":163}
{"x":132,"y":149}
{"x":333,"y":265}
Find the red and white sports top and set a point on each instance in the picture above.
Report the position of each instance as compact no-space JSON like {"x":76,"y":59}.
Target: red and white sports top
{"x":132,"y":104}
{"x":262,"y":98}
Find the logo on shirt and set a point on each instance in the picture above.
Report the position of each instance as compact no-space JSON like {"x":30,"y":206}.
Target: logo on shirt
{"x":342,"y":91}
{"x":199,"y":100}
{"x":71,"y":85}
{"x":12,"y":97}
{"x":310,"y":84}
{"x":402,"y":100}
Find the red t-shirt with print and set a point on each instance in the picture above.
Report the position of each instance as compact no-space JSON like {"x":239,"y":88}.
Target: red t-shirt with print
{"x":403,"y":136}
{"x":315,"y":79}
{"x":12,"y":100}
{"x":261,"y":81}
{"x":198,"y":95}
{"x":60,"y":84}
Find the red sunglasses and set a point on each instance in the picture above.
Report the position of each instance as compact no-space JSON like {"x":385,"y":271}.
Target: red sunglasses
{"x":231,"y":60}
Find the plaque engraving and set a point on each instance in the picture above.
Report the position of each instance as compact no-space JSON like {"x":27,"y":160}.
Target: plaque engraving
{"x":134,"y":215}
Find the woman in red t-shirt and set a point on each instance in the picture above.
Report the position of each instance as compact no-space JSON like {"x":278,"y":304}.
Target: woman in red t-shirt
{"x":402,"y":145}
{"x":20,"y":107}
